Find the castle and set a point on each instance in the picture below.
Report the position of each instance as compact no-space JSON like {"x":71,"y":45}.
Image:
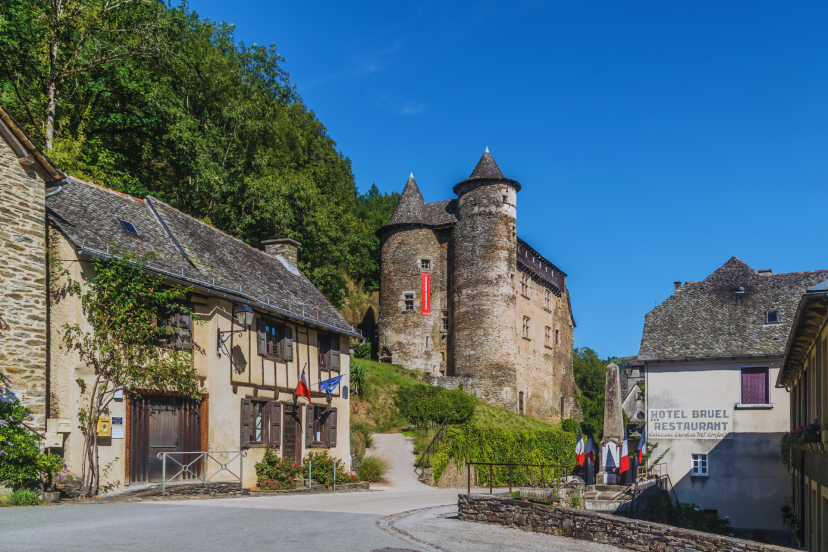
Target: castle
{"x":463,"y":298}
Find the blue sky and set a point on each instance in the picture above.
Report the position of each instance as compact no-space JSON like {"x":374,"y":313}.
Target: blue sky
{"x":653,"y":140}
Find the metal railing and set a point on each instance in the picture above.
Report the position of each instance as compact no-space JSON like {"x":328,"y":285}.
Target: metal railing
{"x":557,"y":474}
{"x":428,"y":454}
{"x":198,"y":465}
{"x":651,"y":472}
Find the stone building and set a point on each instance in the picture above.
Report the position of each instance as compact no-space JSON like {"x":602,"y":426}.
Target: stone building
{"x":712,"y":352}
{"x":463,"y":298}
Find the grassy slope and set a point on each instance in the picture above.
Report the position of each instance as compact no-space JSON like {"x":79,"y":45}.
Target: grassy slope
{"x":377,"y":406}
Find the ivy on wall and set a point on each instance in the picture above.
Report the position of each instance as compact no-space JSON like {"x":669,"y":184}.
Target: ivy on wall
{"x":490,"y":444}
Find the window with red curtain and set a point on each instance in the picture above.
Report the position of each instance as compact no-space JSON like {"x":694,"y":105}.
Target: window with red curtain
{"x":754,"y":386}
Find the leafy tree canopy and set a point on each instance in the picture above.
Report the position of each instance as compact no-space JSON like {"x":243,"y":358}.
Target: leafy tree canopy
{"x":590,"y":375}
{"x":146,"y":98}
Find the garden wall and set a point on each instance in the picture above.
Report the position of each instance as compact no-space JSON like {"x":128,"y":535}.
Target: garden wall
{"x":603,"y":528}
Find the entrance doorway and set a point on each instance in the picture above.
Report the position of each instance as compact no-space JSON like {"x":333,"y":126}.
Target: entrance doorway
{"x":160,"y":423}
{"x":292,"y":433}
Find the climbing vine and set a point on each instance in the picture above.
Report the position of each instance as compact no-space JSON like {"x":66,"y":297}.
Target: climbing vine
{"x":119,"y":341}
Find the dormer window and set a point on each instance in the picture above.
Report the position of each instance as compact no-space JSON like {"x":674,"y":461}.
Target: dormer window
{"x":772,"y":317}
{"x":129,"y":228}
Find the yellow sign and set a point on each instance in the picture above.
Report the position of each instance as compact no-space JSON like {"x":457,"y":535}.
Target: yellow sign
{"x":104,"y":427}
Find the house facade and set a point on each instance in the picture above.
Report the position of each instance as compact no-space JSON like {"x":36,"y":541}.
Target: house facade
{"x":804,"y":375}
{"x":711,"y":353}
{"x":464,"y":299}
{"x":247,"y":374}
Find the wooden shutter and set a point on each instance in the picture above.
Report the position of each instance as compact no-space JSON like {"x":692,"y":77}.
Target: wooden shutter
{"x":261,"y":339}
{"x":309,"y":411}
{"x":275,"y":423}
{"x":288,"y":348}
{"x":183,"y":326}
{"x":754,"y":385}
{"x":245,"y":423}
{"x":331,"y":427}
{"x":334,"y":353}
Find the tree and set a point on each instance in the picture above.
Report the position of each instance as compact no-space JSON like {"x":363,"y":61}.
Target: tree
{"x":121,"y":303}
{"x":590,"y":375}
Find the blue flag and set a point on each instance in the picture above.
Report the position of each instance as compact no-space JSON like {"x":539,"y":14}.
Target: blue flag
{"x":329,"y":385}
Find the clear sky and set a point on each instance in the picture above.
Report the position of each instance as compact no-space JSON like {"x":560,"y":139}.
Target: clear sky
{"x":653,"y":140}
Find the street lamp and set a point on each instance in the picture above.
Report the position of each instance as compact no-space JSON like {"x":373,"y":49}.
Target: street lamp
{"x":244,"y":316}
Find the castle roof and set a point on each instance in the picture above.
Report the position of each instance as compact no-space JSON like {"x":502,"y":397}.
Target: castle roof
{"x":411,"y":207}
{"x":188,"y":251}
{"x":724,"y":315}
{"x":486,"y":169}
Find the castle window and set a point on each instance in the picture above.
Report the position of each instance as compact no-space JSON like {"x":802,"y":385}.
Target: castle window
{"x":524,"y":285}
{"x":547,"y":336}
{"x":505,"y":199}
{"x":425,"y":264}
{"x":428,"y":343}
{"x":409,"y":301}
{"x":526,"y":327}
{"x":557,"y":337}
{"x":445,"y":320}
{"x":546,"y":301}
{"x":772,"y":317}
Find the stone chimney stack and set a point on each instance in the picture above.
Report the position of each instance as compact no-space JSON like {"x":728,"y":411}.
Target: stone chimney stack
{"x":284,"y":247}
{"x":677,"y":286}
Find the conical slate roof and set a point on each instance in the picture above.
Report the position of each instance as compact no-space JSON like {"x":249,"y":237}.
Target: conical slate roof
{"x":411,"y":207}
{"x":486,"y":168}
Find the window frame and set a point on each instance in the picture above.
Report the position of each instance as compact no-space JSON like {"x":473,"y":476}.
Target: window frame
{"x":262,"y":417}
{"x":694,"y":472}
{"x":445,"y":319}
{"x":547,"y":336}
{"x":325,"y":360}
{"x":425,"y":264}
{"x":766,"y":370}
{"x":767,"y":317}
{"x":547,"y":304}
{"x":526,"y":328}
{"x":525,"y":285}
{"x":408,"y":301}
{"x":278,"y":340}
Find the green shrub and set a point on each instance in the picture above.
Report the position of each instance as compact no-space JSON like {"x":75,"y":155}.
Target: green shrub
{"x":21,"y":460}
{"x":359,"y":379}
{"x":366,"y":430}
{"x":424,"y":405}
{"x":468,"y":443}
{"x":273,"y":472}
{"x":570,"y":426}
{"x":373,"y":468}
{"x":24,"y":497}
{"x":363,"y":351}
{"x":320,"y":466}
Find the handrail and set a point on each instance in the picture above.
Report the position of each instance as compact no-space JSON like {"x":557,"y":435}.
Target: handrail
{"x":511,"y":465}
{"x":191,"y":469}
{"x":431,"y":449}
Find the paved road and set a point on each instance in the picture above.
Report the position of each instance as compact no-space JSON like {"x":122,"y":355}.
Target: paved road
{"x":405,"y":515}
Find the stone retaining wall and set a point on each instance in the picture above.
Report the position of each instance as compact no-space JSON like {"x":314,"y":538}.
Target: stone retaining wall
{"x":590,"y":526}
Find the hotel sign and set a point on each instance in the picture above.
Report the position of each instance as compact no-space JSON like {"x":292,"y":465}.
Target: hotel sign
{"x":689,"y":423}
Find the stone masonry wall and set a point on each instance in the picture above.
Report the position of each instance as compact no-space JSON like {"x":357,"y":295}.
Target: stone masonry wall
{"x":23,"y":282}
{"x":617,"y":531}
{"x":482,"y":290}
{"x":404,"y":333}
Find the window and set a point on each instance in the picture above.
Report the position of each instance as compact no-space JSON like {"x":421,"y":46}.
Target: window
{"x":409,"y":302}
{"x":321,"y":426}
{"x":425,"y":264}
{"x":546,"y":300}
{"x":772,"y":317}
{"x":755,"y":386}
{"x":274,"y":340}
{"x":261,"y":423}
{"x":328,"y":349}
{"x":525,"y":285}
{"x":557,"y":337}
{"x":177,"y":330}
{"x":699,"y":468}
{"x":129,"y":228}
{"x":505,"y":199}
{"x":257,"y":422}
{"x":520,"y":403}
{"x":445,"y":320}
{"x":547,"y":336}
{"x":526,"y":327}
{"x":428,"y":343}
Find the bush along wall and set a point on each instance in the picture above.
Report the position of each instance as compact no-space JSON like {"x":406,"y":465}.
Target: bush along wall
{"x":489,"y":444}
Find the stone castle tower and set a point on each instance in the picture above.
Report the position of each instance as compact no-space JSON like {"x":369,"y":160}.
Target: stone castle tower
{"x":466,"y":300}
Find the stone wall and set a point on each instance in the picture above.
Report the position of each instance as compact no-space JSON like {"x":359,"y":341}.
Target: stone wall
{"x":23,"y":282}
{"x":602,"y":528}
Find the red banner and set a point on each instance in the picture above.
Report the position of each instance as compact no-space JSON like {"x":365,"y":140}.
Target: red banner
{"x":426,"y":293}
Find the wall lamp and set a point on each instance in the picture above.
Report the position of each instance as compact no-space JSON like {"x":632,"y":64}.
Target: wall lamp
{"x":244,"y":317}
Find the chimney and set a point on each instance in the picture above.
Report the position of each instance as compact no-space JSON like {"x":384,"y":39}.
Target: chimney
{"x":677,"y":286}
{"x":284,"y":247}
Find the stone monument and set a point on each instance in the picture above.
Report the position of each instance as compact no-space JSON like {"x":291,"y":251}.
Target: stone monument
{"x":613,"y":427}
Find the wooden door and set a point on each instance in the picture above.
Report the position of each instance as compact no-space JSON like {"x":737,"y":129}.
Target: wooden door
{"x":164,"y":425}
{"x":292,"y":433}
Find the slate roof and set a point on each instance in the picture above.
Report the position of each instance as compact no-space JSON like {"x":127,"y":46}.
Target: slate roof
{"x":708,"y":319}
{"x":411,"y":209}
{"x":189,"y":251}
{"x":487,"y":169}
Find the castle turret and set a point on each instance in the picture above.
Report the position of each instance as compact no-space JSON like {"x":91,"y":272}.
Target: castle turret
{"x":483,"y":300}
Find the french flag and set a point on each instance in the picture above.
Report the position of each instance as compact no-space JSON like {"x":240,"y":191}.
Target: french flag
{"x":624,"y":465}
{"x":302,"y":387}
{"x":580,"y":452}
{"x":590,"y":447}
{"x":642,"y":445}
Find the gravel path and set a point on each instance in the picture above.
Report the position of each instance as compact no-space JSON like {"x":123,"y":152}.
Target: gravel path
{"x":399,"y":450}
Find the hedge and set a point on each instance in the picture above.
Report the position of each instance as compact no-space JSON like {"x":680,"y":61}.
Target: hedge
{"x":424,"y":405}
{"x":468,"y":443}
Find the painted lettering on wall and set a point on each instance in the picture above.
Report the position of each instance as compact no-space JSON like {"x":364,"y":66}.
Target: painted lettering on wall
{"x":426,"y":293}
{"x":689,"y":423}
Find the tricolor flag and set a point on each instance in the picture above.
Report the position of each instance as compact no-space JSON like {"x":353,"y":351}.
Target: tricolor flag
{"x":302,"y":387}
{"x":580,"y":455}
{"x":624,"y":465}
{"x":590,"y":447}
{"x":642,"y":445}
